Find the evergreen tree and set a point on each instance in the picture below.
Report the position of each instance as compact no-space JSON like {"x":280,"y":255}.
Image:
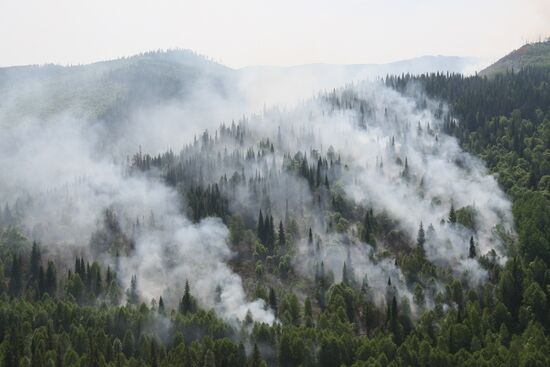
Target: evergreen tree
{"x":255,"y":358}
{"x":282,"y":236}
{"x":472,"y":250}
{"x":35,"y":260}
{"x":366,"y":228}
{"x":41,"y":281}
{"x":261,"y":228}
{"x":452,"y":214}
{"x":345,"y":279}
{"x":273,"y":300}
{"x":421,"y":237}
{"x":308,"y":313}
{"x":394,"y":320}
{"x":16,"y":277}
{"x":128,"y":343}
{"x":51,"y":279}
{"x":133,"y":293}
{"x":12,"y":354}
{"x":161,"y":309}
{"x":187,"y":303}
{"x":405,"y":173}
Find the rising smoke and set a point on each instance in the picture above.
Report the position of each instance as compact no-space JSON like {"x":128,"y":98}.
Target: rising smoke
{"x":393,"y":155}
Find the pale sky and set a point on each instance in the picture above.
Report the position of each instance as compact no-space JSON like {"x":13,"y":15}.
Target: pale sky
{"x":241,"y":33}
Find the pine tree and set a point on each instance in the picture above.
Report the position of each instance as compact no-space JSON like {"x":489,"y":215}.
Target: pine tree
{"x":472,"y":250}
{"x":12,"y":354}
{"x":128,"y":343}
{"x":405,"y":172}
{"x":133,"y":295}
{"x":273,"y":300}
{"x":16,"y":277}
{"x":51,"y":279}
{"x":452,"y":214}
{"x":161,"y":309}
{"x":255,"y":358}
{"x":345,"y":279}
{"x":209,"y":359}
{"x":59,"y":362}
{"x":393,"y":320}
{"x":282,"y":236}
{"x":98,"y":283}
{"x":187,"y":303}
{"x":318,"y":172}
{"x":42,"y":281}
{"x":154,"y":357}
{"x":35,"y":260}
{"x":366,"y":228}
{"x":261,"y":228}
{"x":308,"y":313}
{"x":270,"y":234}
{"x":421,"y":238}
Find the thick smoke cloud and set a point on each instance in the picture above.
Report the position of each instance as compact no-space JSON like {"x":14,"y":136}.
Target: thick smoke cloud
{"x":67,"y":169}
{"x":399,"y":161}
{"x":65,"y":184}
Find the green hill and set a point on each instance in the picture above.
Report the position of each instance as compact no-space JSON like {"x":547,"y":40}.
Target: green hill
{"x":531,"y":54}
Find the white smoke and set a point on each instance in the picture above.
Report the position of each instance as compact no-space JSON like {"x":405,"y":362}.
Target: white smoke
{"x":70,"y":169}
{"x":67,"y":184}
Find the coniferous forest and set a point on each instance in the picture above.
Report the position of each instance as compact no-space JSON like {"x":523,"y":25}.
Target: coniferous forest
{"x":404,"y":222}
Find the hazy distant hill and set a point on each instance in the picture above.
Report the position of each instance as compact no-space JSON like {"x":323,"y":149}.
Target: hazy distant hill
{"x":532,"y":54}
{"x":285,"y":84}
{"x":92,"y":90}
{"x":110,"y":90}
{"x":418,"y":65}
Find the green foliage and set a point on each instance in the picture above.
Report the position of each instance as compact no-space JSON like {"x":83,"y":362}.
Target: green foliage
{"x":54,"y":314}
{"x":535,"y":54}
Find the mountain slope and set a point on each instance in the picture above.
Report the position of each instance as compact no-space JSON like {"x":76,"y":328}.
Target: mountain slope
{"x":531,"y":54}
{"x":108,"y":89}
{"x":112,"y":90}
{"x":355,"y":219}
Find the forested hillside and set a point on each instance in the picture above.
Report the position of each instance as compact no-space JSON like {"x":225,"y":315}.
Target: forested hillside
{"x":359,"y":229}
{"x":536,"y":54}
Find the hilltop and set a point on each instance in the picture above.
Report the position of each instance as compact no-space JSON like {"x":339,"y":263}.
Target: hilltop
{"x":531,"y":54}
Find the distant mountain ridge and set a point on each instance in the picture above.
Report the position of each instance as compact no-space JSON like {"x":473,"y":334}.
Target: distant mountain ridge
{"x":417,"y":65}
{"x":112,"y":90}
{"x":532,"y":54}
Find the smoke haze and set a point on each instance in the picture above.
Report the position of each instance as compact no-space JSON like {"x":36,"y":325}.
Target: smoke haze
{"x":67,"y":162}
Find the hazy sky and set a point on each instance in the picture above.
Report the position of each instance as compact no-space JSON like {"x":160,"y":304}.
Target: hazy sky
{"x":278,"y":32}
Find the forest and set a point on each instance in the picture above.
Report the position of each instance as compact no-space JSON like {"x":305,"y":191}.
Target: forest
{"x":391,"y":246}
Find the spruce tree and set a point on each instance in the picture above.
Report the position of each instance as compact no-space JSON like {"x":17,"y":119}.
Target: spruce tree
{"x":366,"y":228}
{"x":421,"y":238}
{"x":273,"y":300}
{"x":472,"y":250}
{"x":261,"y":228}
{"x":133,"y":296}
{"x":187,"y":303}
{"x":161,"y":309}
{"x":35,"y":260}
{"x":16,"y":277}
{"x":255,"y":358}
{"x":452,"y":214}
{"x":282,"y":236}
{"x":51,"y":279}
{"x":345,"y":279}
